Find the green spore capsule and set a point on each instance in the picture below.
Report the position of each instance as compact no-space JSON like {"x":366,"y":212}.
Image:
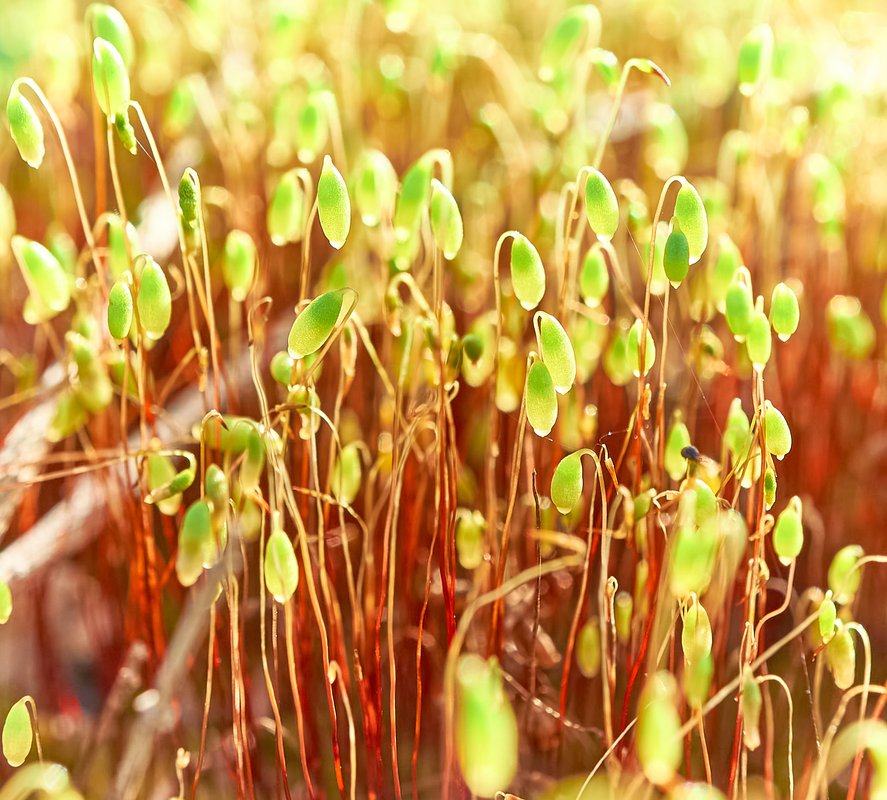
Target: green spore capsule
{"x":758,"y":340}
{"x":785,"y":313}
{"x":160,"y":473}
{"x":281,"y":567}
{"x":375,"y":188}
{"x":728,"y":260}
{"x":217,"y":492}
{"x":196,"y":545}
{"x":109,"y":24}
{"x":282,"y":364}
{"x":697,"y":681}
{"x":49,"y":286}
{"x":153,"y":300}
{"x":594,"y":277}
{"x":347,"y":474}
{"x":623,"y":607}
{"x":5,"y":602}
{"x":189,"y":198}
{"x":126,"y":134}
{"x":755,"y":57}
{"x":678,"y":438}
{"x":70,"y":416}
{"x":253,"y":463}
{"x":739,"y":305}
{"x":17,"y":733}
{"x":659,"y":747}
{"x":25,"y":128}
{"x":566,"y":483}
{"x":588,"y":649}
{"x":633,"y":351}
{"x":769,"y":488}
{"x":333,"y":204}
{"x":486,"y":728}
{"x":181,"y":108}
{"x":736,"y":430}
{"x":840,"y":655}
{"x":689,"y":211}
{"x":470,"y":548}
{"x":527,"y":272}
{"x":472,"y":347}
{"x":285,"y":219}
{"x":249,"y":520}
{"x":676,"y":256}
{"x":850,"y":329}
{"x":844,"y":576}
{"x":239,"y":264}
{"x":413,"y":199}
{"x":120,"y":309}
{"x":311,"y":127}
{"x":541,"y":399}
{"x":750,"y":702}
{"x":696,"y":631}
{"x":118,"y":260}
{"x":579,"y":25}
{"x":828,"y":617}
{"x":446,"y":221}
{"x":788,"y":533}
{"x":315,"y":324}
{"x":110,"y":79}
{"x":777,"y":433}
{"x":616,"y":363}
{"x":557,"y":351}
{"x":693,"y":560}
{"x":601,"y":205}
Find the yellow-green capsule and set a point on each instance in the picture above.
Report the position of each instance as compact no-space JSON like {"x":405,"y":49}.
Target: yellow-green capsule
{"x":5,"y":602}
{"x":755,"y":56}
{"x":788,"y":533}
{"x":844,"y":576}
{"x":314,"y":324}
{"x":119,"y":310}
{"x":729,"y":259}
{"x":153,"y":300}
{"x":118,"y":260}
{"x":697,"y":680}
{"x":70,"y":416}
{"x":282,"y":364}
{"x":689,"y":210}
{"x":736,"y":430}
{"x":375,"y":188}
{"x":333,"y":204}
{"x":750,"y":702}
{"x":659,"y":748}
{"x":281,"y":567}
{"x":312,"y":127}
{"x":769,"y":488}
{"x":676,"y":256}
{"x":285,"y":219}
{"x":347,"y":474}
{"x":566,"y":483}
{"x":557,"y":351}
{"x":446,"y":221}
{"x":249,"y":520}
{"x":840,"y":655}
{"x":196,"y":545}
{"x":109,"y":78}
{"x":594,"y":277}
{"x":486,"y":728}
{"x":253,"y":463}
{"x":601,"y":205}
{"x":692,"y":560}
{"x":739,"y":306}
{"x":470,"y":526}
{"x":541,"y":399}
{"x":413,"y":199}
{"x":675,"y":462}
{"x":616,"y":362}
{"x":777,"y":433}
{"x":239,"y":264}
{"x":217,"y":492}
{"x":527,"y":272}
{"x":623,"y":607}
{"x":109,"y":24}
{"x":49,"y":285}
{"x":579,"y":25}
{"x":828,"y":617}
{"x":633,"y":350}
{"x":850,"y":329}
{"x":181,"y":108}
{"x":25,"y":128}
{"x":696,"y":631}
{"x":17,"y":733}
{"x":588,"y":648}
{"x":161,"y":472}
{"x":785,"y":313}
{"x":758,"y":340}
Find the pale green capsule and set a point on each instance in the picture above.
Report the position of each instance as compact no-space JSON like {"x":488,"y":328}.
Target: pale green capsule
{"x":189,"y":199}
{"x":579,"y":25}
{"x":785,"y":313}
{"x":566,"y":483}
{"x":689,"y":210}
{"x":588,"y":648}
{"x":110,"y":79}
{"x":153,"y":300}
{"x":692,"y":560}
{"x":314,"y":325}
{"x":601,"y":205}
{"x":659,"y":748}
{"x":446,"y":221}
{"x":633,"y":351}
{"x":758,"y":340}
{"x":5,"y":602}
{"x":840,"y":655}
{"x":347,"y":474}
{"x":696,"y":631}
{"x":750,"y":702}
{"x":160,"y":473}
{"x":109,"y":24}
{"x":486,"y":728}
{"x":736,"y":430}
{"x":739,"y":305}
{"x":239,"y":264}
{"x":196,"y":545}
{"x":594,"y":277}
{"x":312,"y":128}
{"x":769,"y":488}
{"x":18,"y":734}
{"x":788,"y":533}
{"x":470,"y":549}
{"x":623,"y":607}
{"x":253,"y":463}
{"x":777,"y":433}
{"x":50,"y":287}
{"x":25,"y":128}
{"x":285,"y":219}
{"x":217,"y":492}
{"x":541,"y":399}
{"x":249,"y":520}
{"x":120,"y":310}
{"x":557,"y":351}
{"x":616,"y":362}
{"x":527,"y":272}
{"x":729,"y":259}
{"x":843,"y":575}
{"x":755,"y":57}
{"x":828,"y":616}
{"x":697,"y":681}
{"x":375,"y":188}
{"x":282,"y":364}
{"x":850,"y":329}
{"x":118,"y":260}
{"x":678,"y":438}
{"x":412,"y":200}
{"x":281,"y":567}
{"x":69,"y":417}
{"x":181,"y":108}
{"x":333,"y":204}
{"x":676,"y":256}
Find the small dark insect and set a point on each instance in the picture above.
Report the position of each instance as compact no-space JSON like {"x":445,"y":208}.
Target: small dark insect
{"x":691,"y":453}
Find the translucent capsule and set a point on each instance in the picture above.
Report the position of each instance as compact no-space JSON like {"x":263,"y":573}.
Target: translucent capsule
{"x":769,"y":488}
{"x":413,"y":199}
{"x":692,"y":559}
{"x":601,"y":205}
{"x":153,"y":300}
{"x":561,"y":45}
{"x":110,"y":78}
{"x":5,"y":602}
{"x":527,"y":272}
{"x":109,"y":24}
{"x":314,"y":325}
{"x":285,"y":219}
{"x":678,"y":438}
{"x":850,"y":329}
{"x":470,"y":548}
{"x":840,"y":655}
{"x":728,"y":260}
{"x":118,"y":259}
{"x":758,"y":340}
{"x":689,"y":211}
{"x":333,"y":204}
{"x":239,"y":264}
{"x":566,"y":483}
{"x":541,"y":399}
{"x":737,"y":430}
{"x":347,"y":474}
{"x":739,"y":305}
{"x":312,"y":127}
{"x":25,"y":128}
{"x":446,"y":221}
{"x":659,"y":748}
{"x":120,"y":309}
{"x":828,"y":617}
{"x":777,"y":433}
{"x":594,"y":277}
{"x":588,"y":648}
{"x":750,"y":702}
{"x":160,"y":473}
{"x":69,"y":417}
{"x":557,"y":351}
{"x":217,"y":492}
{"x":696,"y":631}
{"x":281,"y":568}
{"x":788,"y":533}
{"x":375,"y":188}
{"x":623,"y":606}
{"x":844,"y":576}
{"x":49,"y":286}
{"x":616,"y":362}
{"x":784,"y":311}
{"x":755,"y":56}
{"x":196,"y":544}
{"x":633,"y":351}
{"x":282,"y":364}
{"x":697,"y":680}
{"x":676,"y":256}
{"x":18,"y":734}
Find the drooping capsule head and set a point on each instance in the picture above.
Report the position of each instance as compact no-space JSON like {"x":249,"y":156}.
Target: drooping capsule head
{"x":594,"y":277}
{"x":755,"y":56}
{"x":120,"y":310}
{"x":557,"y":351}
{"x":347,"y":473}
{"x":239,"y":264}
{"x":109,"y":24}
{"x":566,"y":483}
{"x":281,"y":568}
{"x":314,"y":324}
{"x":470,"y":549}
{"x":675,"y":446}
{"x":777,"y":433}
{"x":375,"y":188}
{"x":676,"y":256}
{"x":844,"y":576}
{"x":285,"y":219}
{"x":25,"y":128}
{"x":17,"y":733}
{"x":840,"y":656}
{"x":48,"y":284}
{"x":196,"y":543}
{"x":541,"y":399}
{"x":739,"y":305}
{"x":635,"y":352}
{"x":658,"y":745}
{"x":333,"y":204}
{"x":758,"y":340}
{"x":153,"y":299}
{"x":788,"y":533}
{"x":689,"y":211}
{"x":446,"y":221}
{"x":601,"y":205}
{"x":527,"y":272}
{"x":750,"y":701}
{"x":563,"y":42}
{"x":696,"y":635}
{"x":785,"y":313}
{"x":110,"y":78}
